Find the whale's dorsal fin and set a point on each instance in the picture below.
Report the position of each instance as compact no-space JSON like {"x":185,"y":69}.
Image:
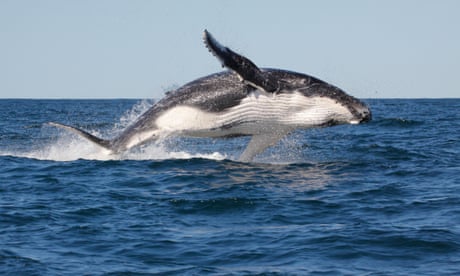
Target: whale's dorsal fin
{"x":245,"y":68}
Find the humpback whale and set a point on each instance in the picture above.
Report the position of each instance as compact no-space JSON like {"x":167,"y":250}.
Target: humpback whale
{"x":245,"y":100}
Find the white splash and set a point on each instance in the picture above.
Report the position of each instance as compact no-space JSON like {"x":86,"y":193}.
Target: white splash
{"x":68,"y":146}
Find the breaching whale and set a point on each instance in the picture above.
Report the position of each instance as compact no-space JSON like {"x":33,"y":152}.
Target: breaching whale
{"x":266,"y":104}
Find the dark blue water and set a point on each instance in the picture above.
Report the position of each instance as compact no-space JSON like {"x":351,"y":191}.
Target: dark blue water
{"x":381,"y":198}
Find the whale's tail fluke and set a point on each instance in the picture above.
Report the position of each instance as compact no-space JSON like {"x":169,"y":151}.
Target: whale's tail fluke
{"x":107,"y":144}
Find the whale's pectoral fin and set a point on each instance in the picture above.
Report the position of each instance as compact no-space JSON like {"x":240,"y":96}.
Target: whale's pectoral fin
{"x":245,"y":68}
{"x":98,"y":141}
{"x":259,"y":143}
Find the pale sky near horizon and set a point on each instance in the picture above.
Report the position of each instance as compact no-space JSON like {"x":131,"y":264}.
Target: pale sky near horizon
{"x":139,"y":49}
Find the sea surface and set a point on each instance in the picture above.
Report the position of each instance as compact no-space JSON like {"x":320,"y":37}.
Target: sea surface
{"x":381,"y":198}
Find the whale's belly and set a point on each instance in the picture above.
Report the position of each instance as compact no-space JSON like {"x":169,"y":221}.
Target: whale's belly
{"x":258,"y":113}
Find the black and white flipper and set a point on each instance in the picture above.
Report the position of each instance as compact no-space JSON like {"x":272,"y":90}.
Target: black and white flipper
{"x":244,"y":67}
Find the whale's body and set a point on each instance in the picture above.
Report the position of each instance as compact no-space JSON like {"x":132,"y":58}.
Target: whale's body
{"x":266,"y":104}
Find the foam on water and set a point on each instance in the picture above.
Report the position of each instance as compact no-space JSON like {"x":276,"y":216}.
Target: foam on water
{"x":69,"y":148}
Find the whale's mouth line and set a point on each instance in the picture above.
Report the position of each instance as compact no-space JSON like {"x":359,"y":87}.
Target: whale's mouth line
{"x":365,"y":119}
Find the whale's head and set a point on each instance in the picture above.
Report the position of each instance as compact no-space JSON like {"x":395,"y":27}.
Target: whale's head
{"x":360,"y":112}
{"x":332,"y":106}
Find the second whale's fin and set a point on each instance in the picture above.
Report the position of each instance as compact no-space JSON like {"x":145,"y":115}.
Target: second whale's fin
{"x":96,"y":140}
{"x":245,"y":68}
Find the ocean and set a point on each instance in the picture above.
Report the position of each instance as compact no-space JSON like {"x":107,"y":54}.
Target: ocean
{"x":381,"y":198}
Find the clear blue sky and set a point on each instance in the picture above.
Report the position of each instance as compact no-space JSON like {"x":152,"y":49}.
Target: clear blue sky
{"x":139,"y":49}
